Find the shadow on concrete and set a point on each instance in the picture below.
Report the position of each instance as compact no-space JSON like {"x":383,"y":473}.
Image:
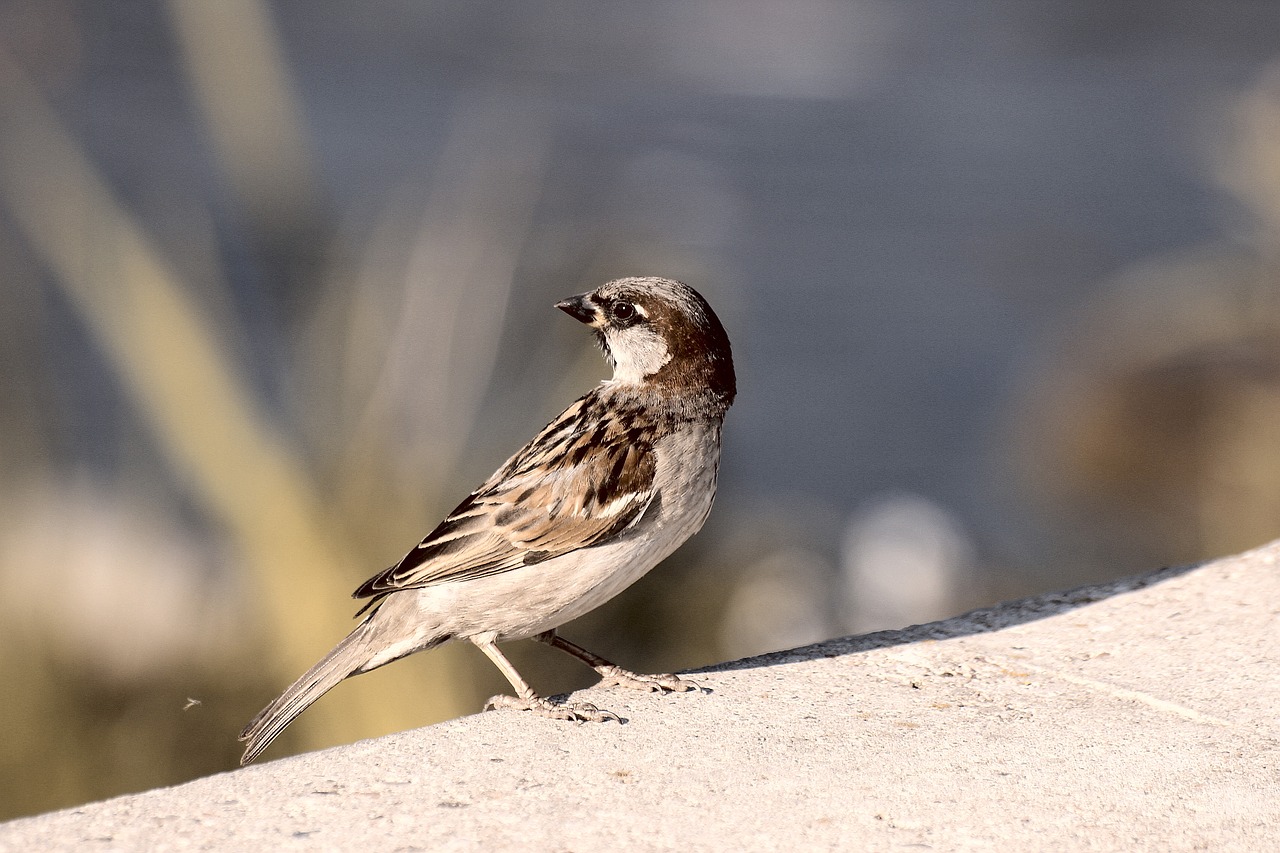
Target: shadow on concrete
{"x":979,"y":621}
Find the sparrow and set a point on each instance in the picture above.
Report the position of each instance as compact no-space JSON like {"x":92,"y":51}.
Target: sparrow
{"x":599,"y":497}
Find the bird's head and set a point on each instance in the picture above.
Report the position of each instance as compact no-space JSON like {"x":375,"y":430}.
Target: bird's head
{"x":661,"y":333}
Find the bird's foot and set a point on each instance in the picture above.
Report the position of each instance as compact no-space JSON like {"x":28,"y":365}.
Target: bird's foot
{"x":612,"y":675}
{"x":576,"y":711}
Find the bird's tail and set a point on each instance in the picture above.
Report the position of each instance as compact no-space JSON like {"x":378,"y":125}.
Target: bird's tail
{"x":347,"y":658}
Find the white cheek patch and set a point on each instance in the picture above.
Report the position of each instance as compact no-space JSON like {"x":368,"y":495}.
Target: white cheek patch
{"x":638,"y":352}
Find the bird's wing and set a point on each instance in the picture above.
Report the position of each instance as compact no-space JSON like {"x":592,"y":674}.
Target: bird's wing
{"x":580,"y":482}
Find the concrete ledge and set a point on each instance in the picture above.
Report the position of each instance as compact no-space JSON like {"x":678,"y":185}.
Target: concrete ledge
{"x":1135,"y":715}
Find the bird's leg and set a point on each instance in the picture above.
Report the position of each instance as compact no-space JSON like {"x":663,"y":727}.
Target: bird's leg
{"x":612,"y":674}
{"x":526,"y":700}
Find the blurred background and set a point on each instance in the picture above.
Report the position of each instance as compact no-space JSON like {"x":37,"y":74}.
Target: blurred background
{"x":275,"y":293}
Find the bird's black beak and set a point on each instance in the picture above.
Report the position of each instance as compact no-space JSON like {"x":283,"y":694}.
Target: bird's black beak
{"x":580,"y":308}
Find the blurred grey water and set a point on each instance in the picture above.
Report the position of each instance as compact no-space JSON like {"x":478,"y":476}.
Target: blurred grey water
{"x":898,"y":205}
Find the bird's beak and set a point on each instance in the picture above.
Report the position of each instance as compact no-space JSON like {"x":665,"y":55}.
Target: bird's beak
{"x":581,"y":308}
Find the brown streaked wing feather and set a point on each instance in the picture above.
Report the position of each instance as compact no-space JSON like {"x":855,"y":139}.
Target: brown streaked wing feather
{"x":580,"y":482}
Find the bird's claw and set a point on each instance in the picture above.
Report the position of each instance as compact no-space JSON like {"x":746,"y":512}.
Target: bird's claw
{"x":612,"y":676}
{"x":581,"y":712}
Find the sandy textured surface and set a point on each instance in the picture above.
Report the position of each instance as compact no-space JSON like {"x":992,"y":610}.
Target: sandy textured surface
{"x":1138,"y":715}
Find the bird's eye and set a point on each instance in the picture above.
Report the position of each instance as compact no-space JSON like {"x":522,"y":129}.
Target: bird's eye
{"x":623,"y":311}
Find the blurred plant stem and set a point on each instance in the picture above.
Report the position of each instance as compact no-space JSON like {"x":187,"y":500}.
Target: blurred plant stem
{"x":210,"y":426}
{"x":441,"y":321}
{"x":241,"y":82}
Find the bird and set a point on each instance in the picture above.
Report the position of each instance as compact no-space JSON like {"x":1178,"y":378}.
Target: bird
{"x":605,"y":492}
